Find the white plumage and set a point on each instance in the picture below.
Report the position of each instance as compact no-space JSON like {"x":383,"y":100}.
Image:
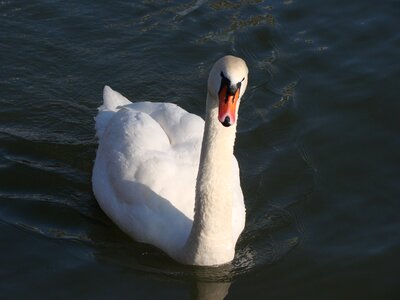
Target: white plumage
{"x":145,"y":172}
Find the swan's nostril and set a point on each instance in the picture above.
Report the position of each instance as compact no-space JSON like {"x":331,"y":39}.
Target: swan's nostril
{"x":227,"y":122}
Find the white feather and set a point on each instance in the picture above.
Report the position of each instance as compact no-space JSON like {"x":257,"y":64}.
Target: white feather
{"x":145,"y":173}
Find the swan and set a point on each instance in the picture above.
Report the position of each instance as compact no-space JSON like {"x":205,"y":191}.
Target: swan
{"x":170,"y":179}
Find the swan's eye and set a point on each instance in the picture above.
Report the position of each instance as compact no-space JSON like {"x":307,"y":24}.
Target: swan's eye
{"x":225,"y":82}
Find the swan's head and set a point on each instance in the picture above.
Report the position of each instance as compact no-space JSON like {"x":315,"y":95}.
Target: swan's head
{"x":227,"y":83}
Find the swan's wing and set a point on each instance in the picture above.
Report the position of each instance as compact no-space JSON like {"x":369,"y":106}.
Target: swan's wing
{"x":145,"y":171}
{"x":179,"y":125}
{"x":153,"y":144}
{"x":112,"y":101}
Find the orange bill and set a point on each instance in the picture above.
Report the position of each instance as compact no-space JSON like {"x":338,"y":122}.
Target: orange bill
{"x":227,"y":106}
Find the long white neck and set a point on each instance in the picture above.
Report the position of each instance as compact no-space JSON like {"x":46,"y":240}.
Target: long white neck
{"x":210,"y":240}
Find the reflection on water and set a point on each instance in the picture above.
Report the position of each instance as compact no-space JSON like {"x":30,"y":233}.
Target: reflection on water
{"x":212,"y":290}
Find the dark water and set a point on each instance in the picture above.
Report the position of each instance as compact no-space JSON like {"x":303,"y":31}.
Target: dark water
{"x":318,"y":145}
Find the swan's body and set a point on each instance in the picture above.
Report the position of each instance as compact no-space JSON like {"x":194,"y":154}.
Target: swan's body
{"x":164,"y":184}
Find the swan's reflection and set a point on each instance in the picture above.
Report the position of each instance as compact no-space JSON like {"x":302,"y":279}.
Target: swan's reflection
{"x":212,"y":290}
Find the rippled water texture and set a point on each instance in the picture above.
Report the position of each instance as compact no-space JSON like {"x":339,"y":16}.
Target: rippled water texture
{"x":318,"y":145}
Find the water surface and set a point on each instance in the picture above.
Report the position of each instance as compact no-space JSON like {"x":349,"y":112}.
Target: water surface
{"x":317,"y":143}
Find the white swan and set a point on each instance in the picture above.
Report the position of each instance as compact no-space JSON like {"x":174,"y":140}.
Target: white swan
{"x":162,"y":182}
